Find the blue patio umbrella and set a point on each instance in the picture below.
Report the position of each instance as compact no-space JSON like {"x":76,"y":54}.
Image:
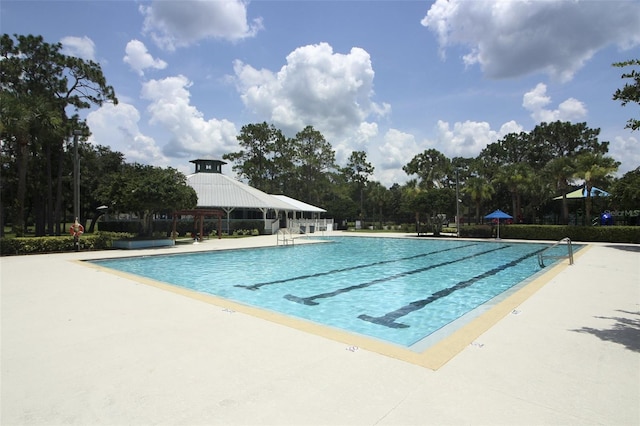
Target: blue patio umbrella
{"x":498,"y":214}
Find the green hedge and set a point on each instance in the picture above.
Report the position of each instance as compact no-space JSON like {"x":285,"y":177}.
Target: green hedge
{"x":609,"y":234}
{"x":183,"y":227}
{"x":32,"y":245}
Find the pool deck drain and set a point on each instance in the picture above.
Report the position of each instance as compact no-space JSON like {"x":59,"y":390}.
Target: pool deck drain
{"x":80,"y":346}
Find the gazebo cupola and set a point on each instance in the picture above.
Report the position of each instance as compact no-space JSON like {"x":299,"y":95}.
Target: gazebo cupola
{"x":208,"y":166}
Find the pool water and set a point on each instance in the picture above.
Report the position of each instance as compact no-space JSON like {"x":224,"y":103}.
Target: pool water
{"x":399,"y":290}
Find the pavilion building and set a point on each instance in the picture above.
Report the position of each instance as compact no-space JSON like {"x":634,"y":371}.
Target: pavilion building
{"x":241,"y":202}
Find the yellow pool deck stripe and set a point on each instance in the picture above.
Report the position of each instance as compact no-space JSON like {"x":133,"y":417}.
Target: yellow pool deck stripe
{"x":432,"y":358}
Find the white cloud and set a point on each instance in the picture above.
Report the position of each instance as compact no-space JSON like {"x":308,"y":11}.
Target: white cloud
{"x":116,"y":126}
{"x":513,"y":38}
{"x":536,"y":100}
{"x":393,"y":151}
{"x":509,"y":127}
{"x":174,"y":24}
{"x":80,"y":47}
{"x":463,"y":139}
{"x":360,"y":140}
{"x":626,"y":150}
{"x":330,"y":91}
{"x":397,"y":149}
{"x":190,"y":134}
{"x":139,"y":58}
{"x":467,"y":139}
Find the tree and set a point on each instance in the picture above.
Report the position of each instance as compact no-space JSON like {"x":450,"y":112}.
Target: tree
{"x":479,"y":190}
{"x":517,"y":178}
{"x":379,"y":196}
{"x":631,"y":91}
{"x":339,"y":203}
{"x":594,"y":169}
{"x":21,"y":117}
{"x":432,"y":168}
{"x":626,"y":190}
{"x":625,"y":193}
{"x":39,"y":84}
{"x":413,"y":200}
{"x":98,"y":164}
{"x":265,"y":157}
{"x":147,"y":190}
{"x":358,"y":171}
{"x":314,"y":159}
{"x":561,"y":170}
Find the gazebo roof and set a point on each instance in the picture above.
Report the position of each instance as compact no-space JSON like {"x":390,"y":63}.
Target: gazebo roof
{"x":582,"y":193}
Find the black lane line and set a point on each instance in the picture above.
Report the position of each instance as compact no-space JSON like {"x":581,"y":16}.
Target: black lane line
{"x":350,"y":268}
{"x":311,"y":300}
{"x":389,"y":319}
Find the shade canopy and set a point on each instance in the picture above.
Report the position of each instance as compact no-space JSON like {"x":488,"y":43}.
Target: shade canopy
{"x":582,"y":193}
{"x":498,"y":214}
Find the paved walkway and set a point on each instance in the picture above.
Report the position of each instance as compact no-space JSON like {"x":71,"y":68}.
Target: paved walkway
{"x":87,"y":347}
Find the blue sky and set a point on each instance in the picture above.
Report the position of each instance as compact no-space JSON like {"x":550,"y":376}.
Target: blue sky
{"x":392,"y":78}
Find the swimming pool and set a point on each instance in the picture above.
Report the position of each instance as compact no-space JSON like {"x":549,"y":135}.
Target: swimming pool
{"x":398,"y":290}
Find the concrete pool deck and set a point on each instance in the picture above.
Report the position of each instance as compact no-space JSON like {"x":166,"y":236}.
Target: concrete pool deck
{"x":83,"y":346}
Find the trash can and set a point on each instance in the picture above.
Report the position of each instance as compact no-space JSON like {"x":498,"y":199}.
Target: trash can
{"x":312,"y":229}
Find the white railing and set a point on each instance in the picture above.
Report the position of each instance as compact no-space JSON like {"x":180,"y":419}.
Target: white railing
{"x":309,"y":226}
{"x":273,"y":225}
{"x":542,"y":256}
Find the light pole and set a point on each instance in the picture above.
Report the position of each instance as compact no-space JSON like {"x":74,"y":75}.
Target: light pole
{"x":76,"y":176}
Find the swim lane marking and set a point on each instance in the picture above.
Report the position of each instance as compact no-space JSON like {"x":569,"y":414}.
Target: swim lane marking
{"x":311,"y":299}
{"x":350,"y":268}
{"x":389,"y":319}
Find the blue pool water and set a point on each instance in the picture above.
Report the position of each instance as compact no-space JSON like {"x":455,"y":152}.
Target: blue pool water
{"x":395,"y":289}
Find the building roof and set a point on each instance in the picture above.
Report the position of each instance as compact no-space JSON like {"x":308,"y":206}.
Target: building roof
{"x":299,"y":205}
{"x":218,"y":190}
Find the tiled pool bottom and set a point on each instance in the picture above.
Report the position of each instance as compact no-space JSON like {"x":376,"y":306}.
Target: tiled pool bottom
{"x":404,"y":291}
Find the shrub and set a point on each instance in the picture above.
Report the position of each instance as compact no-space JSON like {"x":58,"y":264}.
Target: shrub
{"x":611,"y":234}
{"x":32,"y":245}
{"x":477,"y":231}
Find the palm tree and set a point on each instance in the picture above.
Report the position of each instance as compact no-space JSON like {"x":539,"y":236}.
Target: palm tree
{"x":517,"y":177}
{"x":412,"y":199}
{"x":561,"y":170}
{"x":479,"y":190}
{"x":379,"y":196}
{"x":594,"y":169}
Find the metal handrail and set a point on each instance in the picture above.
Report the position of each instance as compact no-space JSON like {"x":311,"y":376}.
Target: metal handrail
{"x":285,"y":240}
{"x":542,"y":256}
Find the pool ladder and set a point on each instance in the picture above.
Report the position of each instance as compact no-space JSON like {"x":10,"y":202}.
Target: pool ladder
{"x":542,"y":256}
{"x":284,"y":236}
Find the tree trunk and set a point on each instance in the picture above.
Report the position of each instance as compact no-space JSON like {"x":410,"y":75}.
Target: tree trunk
{"x":58,"y":213}
{"x":587,"y":209}
{"x":23,"y":162}
{"x":39,"y":213}
{"x":49,"y":210}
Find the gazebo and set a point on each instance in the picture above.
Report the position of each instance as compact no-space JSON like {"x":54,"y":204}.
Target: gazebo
{"x":198,"y":220}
